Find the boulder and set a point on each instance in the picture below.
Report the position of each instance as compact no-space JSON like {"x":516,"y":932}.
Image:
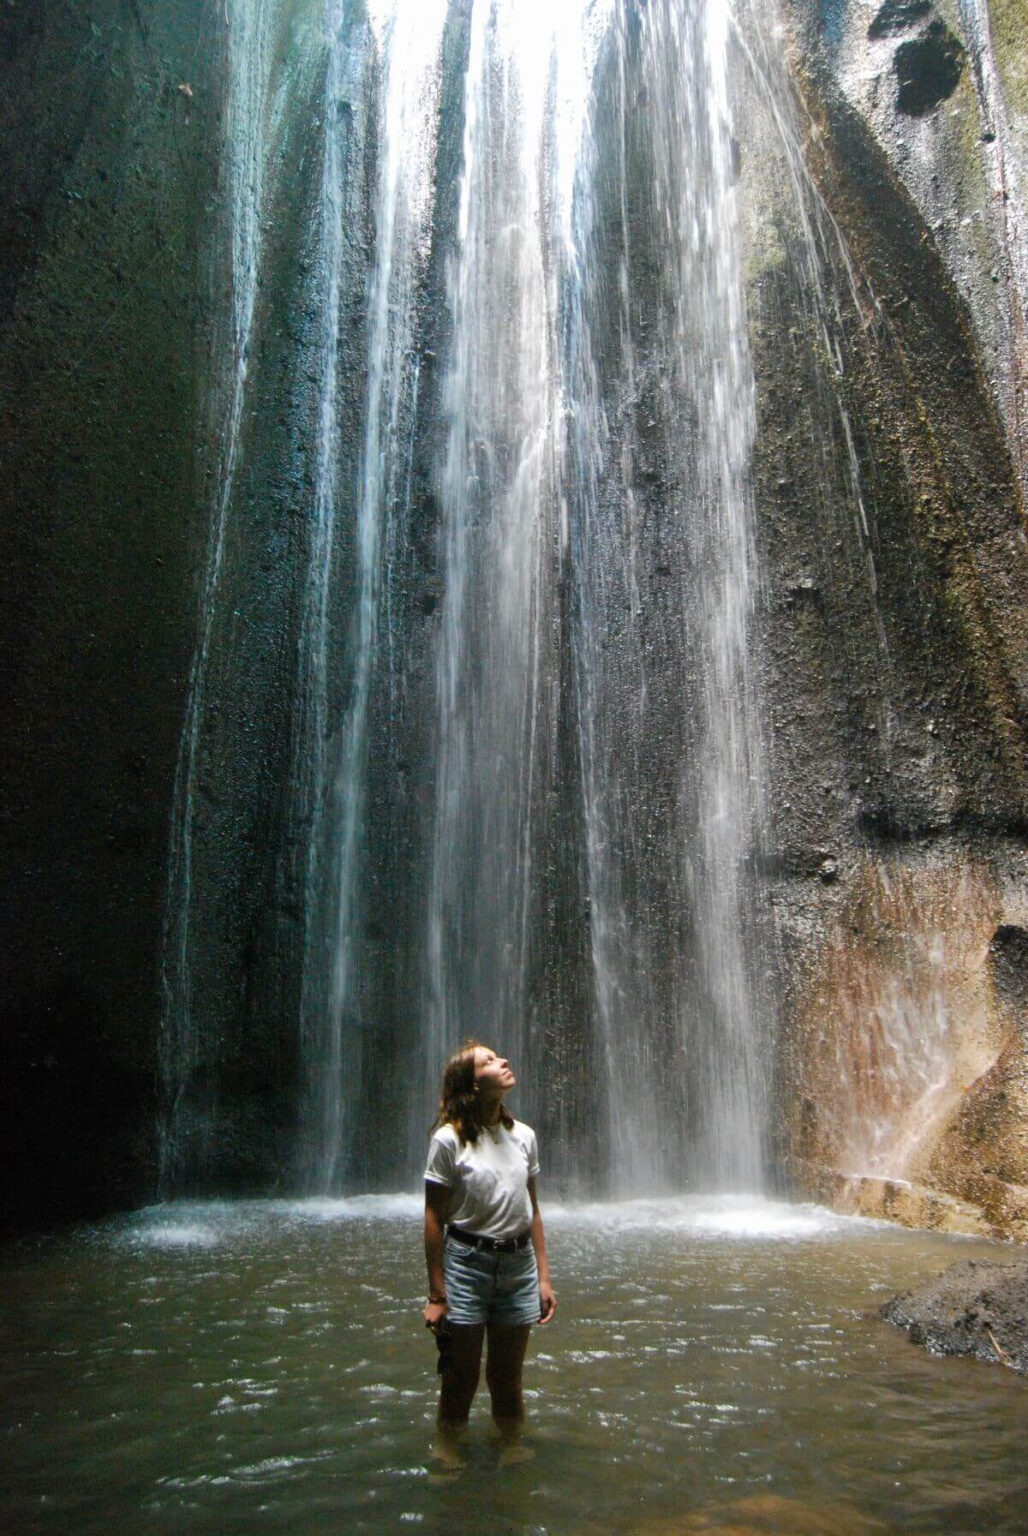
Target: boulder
{"x":976,"y":1308}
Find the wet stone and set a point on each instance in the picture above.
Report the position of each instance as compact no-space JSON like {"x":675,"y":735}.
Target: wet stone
{"x":1008,"y":955}
{"x":897,"y":16}
{"x":928,"y":69}
{"x":976,"y":1308}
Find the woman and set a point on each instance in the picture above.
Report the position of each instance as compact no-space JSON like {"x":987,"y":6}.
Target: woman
{"x":487,"y":1272}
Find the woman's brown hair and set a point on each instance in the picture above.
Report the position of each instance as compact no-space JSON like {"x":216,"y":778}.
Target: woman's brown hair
{"x":459,"y":1103}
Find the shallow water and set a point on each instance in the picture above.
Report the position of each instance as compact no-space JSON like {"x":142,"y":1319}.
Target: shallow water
{"x":714,"y":1365}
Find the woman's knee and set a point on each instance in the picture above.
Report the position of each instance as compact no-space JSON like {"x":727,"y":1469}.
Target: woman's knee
{"x":460,"y":1360}
{"x":503,"y":1370}
{"x":507,"y":1397}
{"x":503,"y":1375}
{"x":457,"y":1391}
{"x":506,"y":1401}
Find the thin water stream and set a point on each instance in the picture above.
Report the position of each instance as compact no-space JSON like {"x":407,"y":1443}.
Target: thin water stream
{"x":714,"y":1364}
{"x":187,"y":1076}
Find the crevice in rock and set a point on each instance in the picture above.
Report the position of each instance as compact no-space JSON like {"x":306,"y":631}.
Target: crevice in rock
{"x":884,"y":826}
{"x":1008,"y":957}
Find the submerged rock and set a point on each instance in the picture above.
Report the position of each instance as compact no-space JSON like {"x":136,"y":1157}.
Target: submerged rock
{"x":762,"y":1515}
{"x":976,"y":1308}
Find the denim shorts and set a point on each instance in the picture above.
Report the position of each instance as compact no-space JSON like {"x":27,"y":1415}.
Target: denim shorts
{"x":484,"y":1287}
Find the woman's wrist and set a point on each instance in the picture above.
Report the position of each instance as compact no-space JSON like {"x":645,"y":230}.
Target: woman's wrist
{"x":437,"y":1299}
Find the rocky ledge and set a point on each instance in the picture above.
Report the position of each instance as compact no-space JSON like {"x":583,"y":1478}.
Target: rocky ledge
{"x":976,"y":1308}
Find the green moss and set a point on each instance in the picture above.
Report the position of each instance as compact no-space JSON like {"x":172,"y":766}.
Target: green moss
{"x":1008,"y":21}
{"x":764,"y":252}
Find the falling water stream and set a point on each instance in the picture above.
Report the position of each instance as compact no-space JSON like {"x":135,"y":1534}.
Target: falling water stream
{"x":665,"y":586}
{"x":331,"y":1014}
{"x":498,"y":498}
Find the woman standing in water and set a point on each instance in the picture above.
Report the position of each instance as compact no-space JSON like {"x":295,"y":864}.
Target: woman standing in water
{"x":488,"y":1278}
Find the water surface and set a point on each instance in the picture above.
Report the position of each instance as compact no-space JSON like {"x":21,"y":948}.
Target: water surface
{"x":262,"y":1367}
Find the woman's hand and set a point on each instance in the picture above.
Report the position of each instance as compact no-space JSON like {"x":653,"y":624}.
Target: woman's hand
{"x":547,"y":1300}
{"x":434,"y":1314}
{"x":437,"y":1211}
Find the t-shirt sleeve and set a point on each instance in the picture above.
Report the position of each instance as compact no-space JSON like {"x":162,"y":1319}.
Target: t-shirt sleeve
{"x":532,"y":1149}
{"x":441,"y":1167}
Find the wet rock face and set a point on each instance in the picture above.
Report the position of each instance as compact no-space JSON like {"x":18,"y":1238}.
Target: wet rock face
{"x":977,"y":1308}
{"x":872,"y":742}
{"x":1008,"y":954}
{"x":113,"y":289}
{"x":927,"y":69}
{"x":108,"y":168}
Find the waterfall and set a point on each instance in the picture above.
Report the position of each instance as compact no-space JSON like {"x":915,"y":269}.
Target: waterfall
{"x":497,"y":493}
{"x":540,"y":475}
{"x":662,"y":550}
{"x":709,"y":356}
{"x":408,"y":42}
{"x":554,"y":402}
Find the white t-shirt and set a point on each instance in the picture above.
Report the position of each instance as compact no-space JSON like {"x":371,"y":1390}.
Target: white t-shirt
{"x":489,"y":1177}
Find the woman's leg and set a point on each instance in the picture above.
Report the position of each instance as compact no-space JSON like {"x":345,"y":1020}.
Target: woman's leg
{"x":506,"y":1357}
{"x":460,"y":1359}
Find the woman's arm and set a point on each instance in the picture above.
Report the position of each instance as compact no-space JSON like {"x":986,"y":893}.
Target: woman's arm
{"x":437,"y":1209}
{"x":547,"y":1300}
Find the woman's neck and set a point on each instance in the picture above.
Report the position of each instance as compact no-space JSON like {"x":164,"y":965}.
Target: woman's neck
{"x":491,"y":1112}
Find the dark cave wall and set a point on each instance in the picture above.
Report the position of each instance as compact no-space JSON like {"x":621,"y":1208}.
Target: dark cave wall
{"x":111,"y":168}
{"x":114,"y":339}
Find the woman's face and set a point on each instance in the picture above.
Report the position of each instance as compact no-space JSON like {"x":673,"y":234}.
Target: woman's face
{"x":492,"y":1073}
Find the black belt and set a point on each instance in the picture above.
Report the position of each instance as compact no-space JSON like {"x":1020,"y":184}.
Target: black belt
{"x":491,"y":1244}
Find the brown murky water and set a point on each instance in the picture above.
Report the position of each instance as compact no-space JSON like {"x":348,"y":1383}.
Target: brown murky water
{"x":714,"y":1366}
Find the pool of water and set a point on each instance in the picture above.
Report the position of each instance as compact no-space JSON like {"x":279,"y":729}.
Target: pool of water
{"x":714,"y":1365}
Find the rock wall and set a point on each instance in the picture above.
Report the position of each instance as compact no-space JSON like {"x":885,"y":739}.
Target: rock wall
{"x":116,"y":283}
{"x":900,"y":757}
{"x":111,"y":159}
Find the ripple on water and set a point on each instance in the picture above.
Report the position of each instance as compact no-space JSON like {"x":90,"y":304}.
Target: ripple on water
{"x":698,"y":1342}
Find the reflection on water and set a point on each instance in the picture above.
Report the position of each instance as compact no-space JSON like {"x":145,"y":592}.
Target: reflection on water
{"x":714,"y":1367}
